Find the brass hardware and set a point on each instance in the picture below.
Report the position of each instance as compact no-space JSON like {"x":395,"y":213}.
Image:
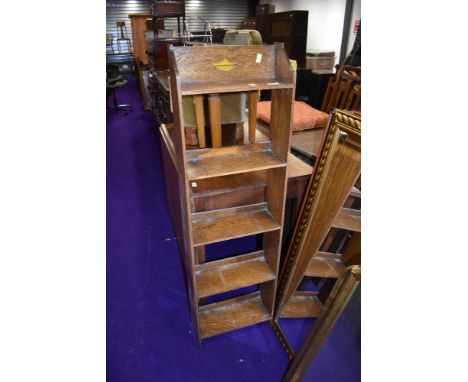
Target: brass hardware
{"x":343,"y":136}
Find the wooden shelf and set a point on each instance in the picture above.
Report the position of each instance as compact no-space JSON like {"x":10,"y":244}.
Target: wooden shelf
{"x":355,"y":193}
{"x":232,"y":314}
{"x":232,"y":273}
{"x":231,"y":223}
{"x":348,"y":219}
{"x":214,"y":186}
{"x":209,"y":163}
{"x":325,"y":266}
{"x":302,"y":305}
{"x":235,"y":85}
{"x":228,"y":191}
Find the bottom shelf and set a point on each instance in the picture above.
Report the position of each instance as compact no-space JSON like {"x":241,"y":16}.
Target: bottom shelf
{"x":321,"y":266}
{"x":232,"y":314}
{"x":302,"y":305}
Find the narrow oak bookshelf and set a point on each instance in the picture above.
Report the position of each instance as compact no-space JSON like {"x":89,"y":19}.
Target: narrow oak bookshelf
{"x":258,"y":165}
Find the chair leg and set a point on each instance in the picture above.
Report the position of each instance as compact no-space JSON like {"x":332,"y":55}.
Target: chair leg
{"x":214,"y":107}
{"x":253,"y":102}
{"x":200,"y":119}
{"x":117,"y":107}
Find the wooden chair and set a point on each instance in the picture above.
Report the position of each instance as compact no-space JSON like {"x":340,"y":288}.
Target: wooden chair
{"x":343,"y":91}
{"x":123,"y":36}
{"x":325,"y":206}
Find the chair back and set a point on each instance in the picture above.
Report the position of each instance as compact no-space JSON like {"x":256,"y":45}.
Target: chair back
{"x":122,"y":29}
{"x":344,"y":90}
{"x":112,"y":71}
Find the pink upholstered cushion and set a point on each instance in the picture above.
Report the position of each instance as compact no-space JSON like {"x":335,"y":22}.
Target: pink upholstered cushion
{"x":304,"y":116}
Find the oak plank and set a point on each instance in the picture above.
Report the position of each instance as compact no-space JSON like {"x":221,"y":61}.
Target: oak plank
{"x":302,"y":305}
{"x":253,"y":102}
{"x":323,"y":267}
{"x":215,"y":166}
{"x":348,"y":219}
{"x":233,"y":273}
{"x":214,"y":108}
{"x":231,"y":223}
{"x":200,"y":119}
{"x":232,"y":314}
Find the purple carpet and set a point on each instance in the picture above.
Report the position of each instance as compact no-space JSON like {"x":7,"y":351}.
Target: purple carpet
{"x":149,"y":332}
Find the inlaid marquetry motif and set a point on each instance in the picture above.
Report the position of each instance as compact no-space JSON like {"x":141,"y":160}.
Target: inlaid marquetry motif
{"x":225,"y":65}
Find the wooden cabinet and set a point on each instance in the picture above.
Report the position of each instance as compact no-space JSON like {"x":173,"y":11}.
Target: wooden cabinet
{"x":162,"y":10}
{"x":261,"y":14}
{"x":139,"y":27}
{"x":290,"y":28}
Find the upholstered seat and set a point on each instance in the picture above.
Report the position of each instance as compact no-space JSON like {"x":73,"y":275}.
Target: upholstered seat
{"x":242,"y":37}
{"x":304,"y":116}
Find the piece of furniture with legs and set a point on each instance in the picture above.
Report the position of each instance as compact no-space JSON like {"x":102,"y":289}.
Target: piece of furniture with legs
{"x":199,"y":71}
{"x":139,"y":27}
{"x":113,"y":81}
{"x":122,"y":37}
{"x":324,"y":207}
{"x":343,"y":92}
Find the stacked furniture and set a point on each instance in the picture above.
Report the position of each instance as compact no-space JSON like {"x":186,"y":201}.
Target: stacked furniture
{"x":209,"y":71}
{"x":160,"y":11}
{"x":325,"y":206}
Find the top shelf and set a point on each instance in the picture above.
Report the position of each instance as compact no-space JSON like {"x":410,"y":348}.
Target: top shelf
{"x":231,"y":68}
{"x":229,"y":86}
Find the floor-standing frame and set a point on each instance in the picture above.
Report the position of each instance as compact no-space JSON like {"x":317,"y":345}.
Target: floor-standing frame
{"x":337,"y":170}
{"x":332,"y":310}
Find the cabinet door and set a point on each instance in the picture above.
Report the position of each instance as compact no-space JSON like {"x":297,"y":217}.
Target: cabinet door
{"x":282,"y":27}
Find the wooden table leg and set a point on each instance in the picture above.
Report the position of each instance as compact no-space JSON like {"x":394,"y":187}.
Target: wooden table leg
{"x":200,"y":119}
{"x":253,"y":102}
{"x":214,"y":107}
